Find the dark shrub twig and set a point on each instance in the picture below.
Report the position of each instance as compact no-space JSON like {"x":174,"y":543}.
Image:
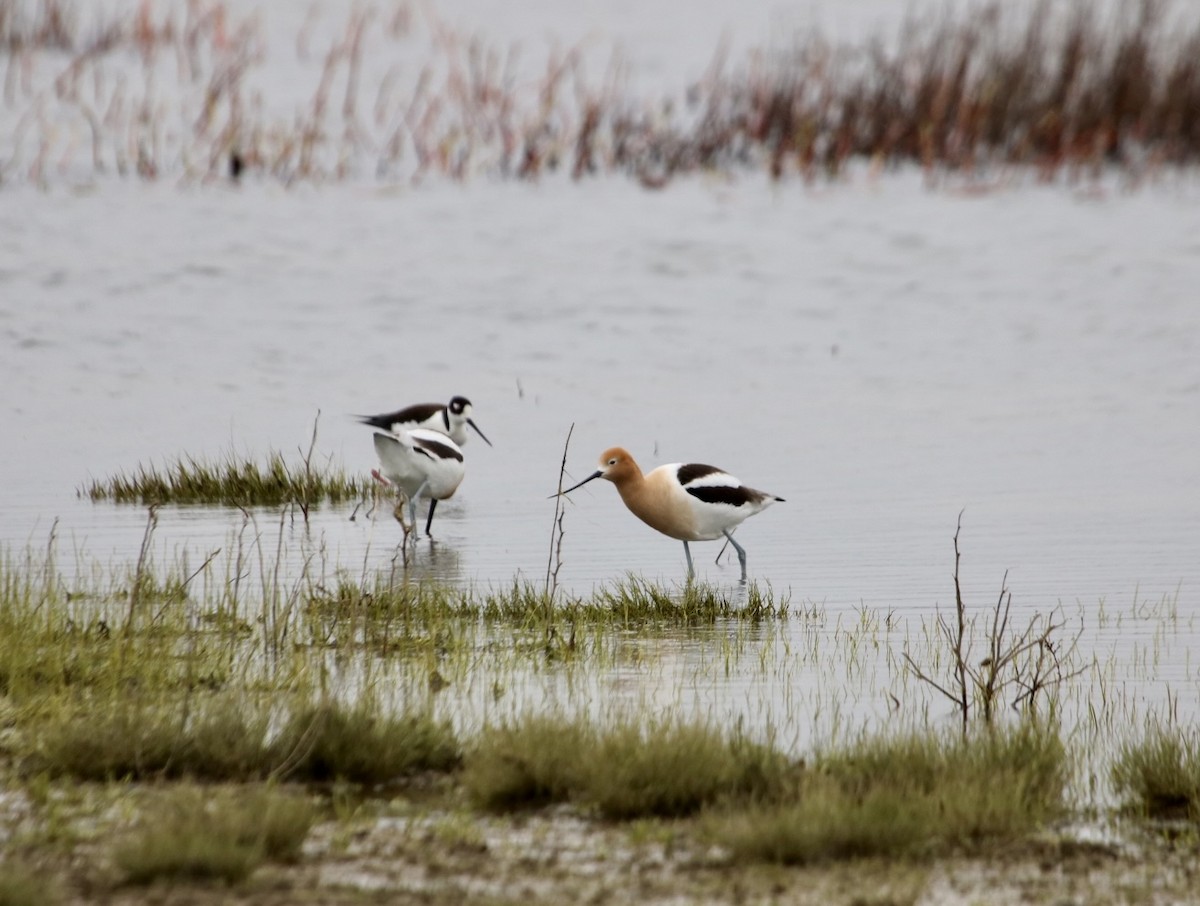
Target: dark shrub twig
{"x":1029,"y":662}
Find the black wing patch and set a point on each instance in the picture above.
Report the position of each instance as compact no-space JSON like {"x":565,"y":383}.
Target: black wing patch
{"x":436,"y":450}
{"x":408,"y":415}
{"x":722,"y":493}
{"x":693,"y":470}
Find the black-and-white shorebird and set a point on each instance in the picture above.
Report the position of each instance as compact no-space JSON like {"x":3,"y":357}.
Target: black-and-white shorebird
{"x":421,"y":463}
{"x":451,"y":419}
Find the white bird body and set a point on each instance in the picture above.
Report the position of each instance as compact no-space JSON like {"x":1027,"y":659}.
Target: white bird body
{"x":421,"y":463}
{"x":685,"y":501}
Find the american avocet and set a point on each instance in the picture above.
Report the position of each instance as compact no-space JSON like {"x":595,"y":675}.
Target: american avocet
{"x":422,"y":463}
{"x":685,"y":501}
{"x":451,"y":420}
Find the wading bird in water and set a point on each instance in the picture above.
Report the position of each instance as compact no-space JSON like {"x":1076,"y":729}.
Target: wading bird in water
{"x":421,"y":463}
{"x":685,"y":501}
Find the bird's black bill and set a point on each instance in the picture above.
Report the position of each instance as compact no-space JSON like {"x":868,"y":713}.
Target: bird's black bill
{"x":595,"y":474}
{"x":480,"y":433}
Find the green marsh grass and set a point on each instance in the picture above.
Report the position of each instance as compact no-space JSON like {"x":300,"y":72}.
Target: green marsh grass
{"x":130,"y":630}
{"x":231,"y":482}
{"x":1158,"y":776}
{"x":908,"y":797}
{"x":216,"y":738}
{"x":205,"y":738}
{"x":633,"y":769}
{"x":634,"y":600}
{"x":676,"y":768}
{"x":361,"y":744}
{"x":198,"y":834}
{"x":412,"y":619}
{"x":242,"y":671}
{"x":528,"y":763}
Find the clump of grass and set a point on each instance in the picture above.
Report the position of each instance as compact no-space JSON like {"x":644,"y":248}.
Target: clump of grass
{"x":531,"y":762}
{"x":632,"y":770}
{"x":912,"y":796}
{"x":232,"y":482}
{"x":216,"y":738}
{"x":363,"y":745}
{"x":637,"y":600}
{"x":1159,"y":776}
{"x":523,"y":603}
{"x":198,"y":836}
{"x":673,"y":768}
{"x":207,"y":739}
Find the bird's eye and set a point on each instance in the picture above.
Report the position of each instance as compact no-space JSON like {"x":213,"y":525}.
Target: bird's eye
{"x":613,"y":461}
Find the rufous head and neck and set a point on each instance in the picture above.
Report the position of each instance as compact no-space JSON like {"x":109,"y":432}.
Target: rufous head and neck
{"x":617,"y":466}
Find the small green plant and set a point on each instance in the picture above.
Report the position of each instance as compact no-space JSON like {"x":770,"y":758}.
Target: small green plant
{"x":1159,"y":776}
{"x":195,"y":835}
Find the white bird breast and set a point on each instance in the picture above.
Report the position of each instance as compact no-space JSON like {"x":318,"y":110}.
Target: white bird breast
{"x":421,"y":458}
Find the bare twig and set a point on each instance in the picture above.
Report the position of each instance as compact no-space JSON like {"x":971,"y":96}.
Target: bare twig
{"x":307,"y":488}
{"x":554,"y":561}
{"x":139,"y":576}
{"x":184,"y":584}
{"x":1030,"y":660}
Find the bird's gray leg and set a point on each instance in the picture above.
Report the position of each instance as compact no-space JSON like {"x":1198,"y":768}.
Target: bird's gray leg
{"x":429,"y":521}
{"x":412,"y":506}
{"x":691,"y":570}
{"x":741,"y":552}
{"x":720,"y":552}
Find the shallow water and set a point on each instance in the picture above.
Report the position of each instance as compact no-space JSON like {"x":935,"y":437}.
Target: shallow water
{"x":883,"y":354}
